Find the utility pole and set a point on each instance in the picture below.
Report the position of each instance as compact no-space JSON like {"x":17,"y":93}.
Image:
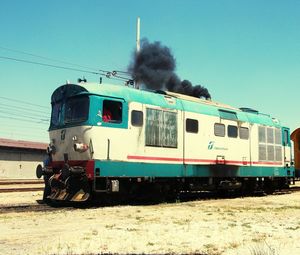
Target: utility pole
{"x":138,"y":45}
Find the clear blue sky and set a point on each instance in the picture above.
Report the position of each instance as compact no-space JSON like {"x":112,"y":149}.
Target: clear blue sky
{"x":247,"y":53}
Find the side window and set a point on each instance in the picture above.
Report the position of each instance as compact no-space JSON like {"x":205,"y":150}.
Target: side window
{"x":170,"y":129}
{"x":262,"y":146}
{"x":161,"y":128}
{"x":112,"y":111}
{"x":191,"y":126}
{"x":278,"y":139}
{"x":270,"y":135}
{"x":285,"y":137}
{"x":56,"y":115}
{"x":136,"y":118}
{"x":262,"y":134}
{"x":244,"y":133}
{"x":232,"y":131}
{"x":269,"y":144}
{"x":219,"y":129}
{"x":77,"y":109}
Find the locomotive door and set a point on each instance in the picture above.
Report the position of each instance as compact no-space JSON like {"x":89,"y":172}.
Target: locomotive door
{"x":245,"y":141}
{"x":136,"y":135}
{"x":286,"y":147}
{"x":193,"y":139}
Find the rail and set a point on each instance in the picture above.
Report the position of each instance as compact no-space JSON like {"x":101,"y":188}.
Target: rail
{"x":22,"y":185}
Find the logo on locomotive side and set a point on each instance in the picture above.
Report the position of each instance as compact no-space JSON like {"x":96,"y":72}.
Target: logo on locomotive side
{"x":210,"y":145}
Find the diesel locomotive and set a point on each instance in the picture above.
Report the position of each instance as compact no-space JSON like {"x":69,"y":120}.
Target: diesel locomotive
{"x":112,"y":140}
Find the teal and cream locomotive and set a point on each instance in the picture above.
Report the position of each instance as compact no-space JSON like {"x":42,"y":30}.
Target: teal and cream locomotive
{"x":111,"y":139}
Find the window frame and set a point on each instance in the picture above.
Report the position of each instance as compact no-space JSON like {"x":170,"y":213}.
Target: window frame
{"x":57,"y":112}
{"x":157,"y":131}
{"x":286,"y":138}
{"x":241,"y":136}
{"x":72,"y":120}
{"x":229,"y":131}
{"x":192,"y":126}
{"x":140,"y":118}
{"x":219,"y":125}
{"x":269,"y":145}
{"x":116,"y":107}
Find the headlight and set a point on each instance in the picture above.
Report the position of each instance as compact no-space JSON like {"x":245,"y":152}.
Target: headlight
{"x":80,"y":147}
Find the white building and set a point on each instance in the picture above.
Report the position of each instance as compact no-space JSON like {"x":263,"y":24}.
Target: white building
{"x":18,"y":159}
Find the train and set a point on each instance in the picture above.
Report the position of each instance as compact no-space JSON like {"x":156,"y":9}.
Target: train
{"x":113,"y":141}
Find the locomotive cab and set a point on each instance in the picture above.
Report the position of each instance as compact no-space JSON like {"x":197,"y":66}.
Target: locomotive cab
{"x":76,"y":118}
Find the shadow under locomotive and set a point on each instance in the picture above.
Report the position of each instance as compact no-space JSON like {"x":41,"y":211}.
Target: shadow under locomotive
{"x":70,"y":186}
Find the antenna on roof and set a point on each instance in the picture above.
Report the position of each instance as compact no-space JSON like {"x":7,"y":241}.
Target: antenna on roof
{"x":138,"y":44}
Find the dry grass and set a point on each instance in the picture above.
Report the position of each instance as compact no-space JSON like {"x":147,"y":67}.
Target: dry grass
{"x":247,"y":226}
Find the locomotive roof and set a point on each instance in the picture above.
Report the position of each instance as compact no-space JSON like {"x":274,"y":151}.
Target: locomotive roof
{"x":164,"y":99}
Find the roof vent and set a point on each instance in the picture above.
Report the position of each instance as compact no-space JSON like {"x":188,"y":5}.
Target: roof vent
{"x":250,"y":110}
{"x":160,"y":92}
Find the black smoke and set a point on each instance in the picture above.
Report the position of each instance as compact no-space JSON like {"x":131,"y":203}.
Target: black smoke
{"x":154,"y":66}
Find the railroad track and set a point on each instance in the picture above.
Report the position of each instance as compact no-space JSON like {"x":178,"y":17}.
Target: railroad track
{"x":20,"y":185}
{"x":288,"y":190}
{"x":33,"y":207}
{"x":40,"y":207}
{"x":25,"y":189}
{"x":25,"y":208}
{"x":15,"y":181}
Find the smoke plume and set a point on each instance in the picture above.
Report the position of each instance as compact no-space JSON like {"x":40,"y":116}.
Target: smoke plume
{"x":154,"y":66}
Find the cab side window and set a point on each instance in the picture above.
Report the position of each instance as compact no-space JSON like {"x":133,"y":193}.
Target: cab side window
{"x":191,"y":126}
{"x":137,"y":118}
{"x":112,"y":111}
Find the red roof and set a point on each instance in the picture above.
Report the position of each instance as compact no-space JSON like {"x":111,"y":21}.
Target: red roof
{"x":22,"y":144}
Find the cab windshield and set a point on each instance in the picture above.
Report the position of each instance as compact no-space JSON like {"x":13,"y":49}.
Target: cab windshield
{"x":77,"y":109}
{"x":74,"y":110}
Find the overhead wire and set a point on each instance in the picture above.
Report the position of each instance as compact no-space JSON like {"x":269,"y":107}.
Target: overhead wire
{"x":13,"y":112}
{"x":47,"y":58}
{"x":36,"y":117}
{"x":23,"y":102}
{"x":39,"y":121}
{"x":28,"y":119}
{"x":25,"y":126}
{"x":95,"y":70}
{"x":22,"y":109}
{"x":49,"y":65}
{"x":24,"y":135}
{"x":103,"y":73}
{"x":124,"y":72}
{"x":18,"y":117}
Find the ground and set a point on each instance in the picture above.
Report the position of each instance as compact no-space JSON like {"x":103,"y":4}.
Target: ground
{"x":250,"y":225}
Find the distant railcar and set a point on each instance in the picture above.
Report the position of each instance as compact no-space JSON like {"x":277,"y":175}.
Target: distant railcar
{"x":109,"y":139}
{"x":296,"y":139}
